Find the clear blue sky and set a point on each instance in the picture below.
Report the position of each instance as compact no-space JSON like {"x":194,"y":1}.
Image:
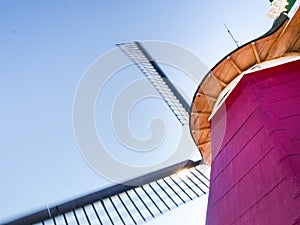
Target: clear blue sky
{"x":45,"y":48}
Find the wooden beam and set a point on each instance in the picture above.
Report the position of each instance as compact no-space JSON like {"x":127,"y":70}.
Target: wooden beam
{"x":223,"y":83}
{"x":201,"y":112}
{"x":234,"y":64}
{"x":255,"y":52}
{"x":207,"y":96}
{"x":203,"y":143}
{"x":201,"y":128}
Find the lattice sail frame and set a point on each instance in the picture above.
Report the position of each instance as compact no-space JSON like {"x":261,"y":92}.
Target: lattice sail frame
{"x":156,"y":194}
{"x":139,"y":56}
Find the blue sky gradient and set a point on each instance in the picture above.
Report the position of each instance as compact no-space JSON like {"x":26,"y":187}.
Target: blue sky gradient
{"x":45,"y":48}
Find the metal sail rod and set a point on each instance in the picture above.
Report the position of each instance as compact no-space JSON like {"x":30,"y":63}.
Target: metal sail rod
{"x":231,"y":35}
{"x":138,"y":54}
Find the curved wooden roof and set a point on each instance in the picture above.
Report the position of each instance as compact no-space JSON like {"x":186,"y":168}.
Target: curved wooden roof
{"x":280,"y":41}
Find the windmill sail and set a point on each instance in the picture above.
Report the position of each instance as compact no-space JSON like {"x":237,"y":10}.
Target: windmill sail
{"x":136,"y":52}
{"x":156,"y":194}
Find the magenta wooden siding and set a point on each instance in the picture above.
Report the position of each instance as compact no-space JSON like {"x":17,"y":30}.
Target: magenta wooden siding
{"x":255,"y":176}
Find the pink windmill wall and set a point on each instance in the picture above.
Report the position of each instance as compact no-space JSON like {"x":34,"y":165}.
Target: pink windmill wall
{"x":255,"y":176}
